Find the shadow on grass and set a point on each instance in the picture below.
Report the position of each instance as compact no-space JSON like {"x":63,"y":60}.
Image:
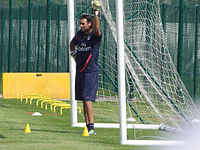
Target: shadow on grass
{"x":53,"y":131}
{"x":2,"y":137}
{"x":39,"y":124}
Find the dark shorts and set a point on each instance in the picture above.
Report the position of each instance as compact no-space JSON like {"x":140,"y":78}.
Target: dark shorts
{"x":86,"y":84}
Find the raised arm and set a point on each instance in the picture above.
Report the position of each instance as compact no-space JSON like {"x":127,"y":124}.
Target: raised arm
{"x":96,"y":25}
{"x":96,"y":5}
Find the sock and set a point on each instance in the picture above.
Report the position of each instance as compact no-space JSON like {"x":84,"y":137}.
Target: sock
{"x":91,"y":126}
{"x":87,"y":125}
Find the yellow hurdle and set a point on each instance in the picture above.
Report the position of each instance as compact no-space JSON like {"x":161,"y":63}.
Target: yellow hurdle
{"x":41,"y":99}
{"x":56,"y":103}
{"x":35,"y":98}
{"x":47,"y":101}
{"x":65,"y":107}
{"x":80,"y":110}
{"x":61,"y":105}
{"x":28,"y":96}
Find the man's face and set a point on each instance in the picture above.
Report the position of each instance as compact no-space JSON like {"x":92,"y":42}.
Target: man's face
{"x":85,"y":26}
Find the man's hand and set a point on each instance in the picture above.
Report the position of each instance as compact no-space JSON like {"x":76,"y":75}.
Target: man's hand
{"x":96,"y":5}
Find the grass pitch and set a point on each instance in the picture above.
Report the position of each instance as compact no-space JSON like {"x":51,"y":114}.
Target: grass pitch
{"x":49,"y":131}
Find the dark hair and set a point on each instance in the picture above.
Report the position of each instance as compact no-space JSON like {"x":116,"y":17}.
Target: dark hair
{"x":87,"y":17}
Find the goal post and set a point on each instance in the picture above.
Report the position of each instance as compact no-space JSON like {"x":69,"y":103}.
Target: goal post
{"x":121,"y":70}
{"x":72,"y":65}
{"x":139,"y":89}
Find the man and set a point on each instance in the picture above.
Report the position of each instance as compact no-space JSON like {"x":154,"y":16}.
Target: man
{"x":85,"y":50}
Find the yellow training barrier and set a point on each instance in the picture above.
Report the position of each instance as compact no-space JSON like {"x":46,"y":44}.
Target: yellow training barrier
{"x":53,"y":85}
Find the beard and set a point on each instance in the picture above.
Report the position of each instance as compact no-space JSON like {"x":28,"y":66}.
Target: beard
{"x":86,"y":30}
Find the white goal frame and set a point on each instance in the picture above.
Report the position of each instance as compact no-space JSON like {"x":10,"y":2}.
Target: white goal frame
{"x":123,"y":126}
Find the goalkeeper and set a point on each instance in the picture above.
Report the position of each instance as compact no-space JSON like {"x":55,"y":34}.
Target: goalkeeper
{"x":85,"y":51}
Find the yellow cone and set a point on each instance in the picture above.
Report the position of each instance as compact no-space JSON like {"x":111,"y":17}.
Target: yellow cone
{"x":85,"y":132}
{"x":27,"y":129}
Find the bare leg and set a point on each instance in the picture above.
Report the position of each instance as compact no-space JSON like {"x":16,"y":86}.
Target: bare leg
{"x":88,"y":112}
{"x":85,"y":113}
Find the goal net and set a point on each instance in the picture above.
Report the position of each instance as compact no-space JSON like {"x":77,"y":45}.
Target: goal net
{"x":158,"y":104}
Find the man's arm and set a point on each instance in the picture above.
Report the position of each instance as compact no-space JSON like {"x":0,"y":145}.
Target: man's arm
{"x":96,"y":5}
{"x":96,"y":24}
{"x":73,"y":51}
{"x":72,"y":46}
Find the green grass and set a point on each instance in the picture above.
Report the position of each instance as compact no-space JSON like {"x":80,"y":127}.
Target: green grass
{"x":49,"y":131}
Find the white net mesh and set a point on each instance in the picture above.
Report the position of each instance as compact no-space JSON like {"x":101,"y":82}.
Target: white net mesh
{"x":155,"y":92}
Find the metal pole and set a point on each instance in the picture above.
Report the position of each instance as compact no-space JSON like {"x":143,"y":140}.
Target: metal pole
{"x":58,"y":40}
{"x":72,"y":66}
{"x":104,"y":50}
{"x":2,"y":39}
{"x":20,"y":38}
{"x":38,"y":39}
{"x":10,"y":35}
{"x":28,"y":56}
{"x":196,"y":54}
{"x":121,"y":71}
{"x":180,"y":38}
{"x":48,"y":34}
{"x":163,"y":8}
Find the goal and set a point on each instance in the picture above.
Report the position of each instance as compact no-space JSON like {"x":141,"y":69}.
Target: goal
{"x":139,"y":89}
